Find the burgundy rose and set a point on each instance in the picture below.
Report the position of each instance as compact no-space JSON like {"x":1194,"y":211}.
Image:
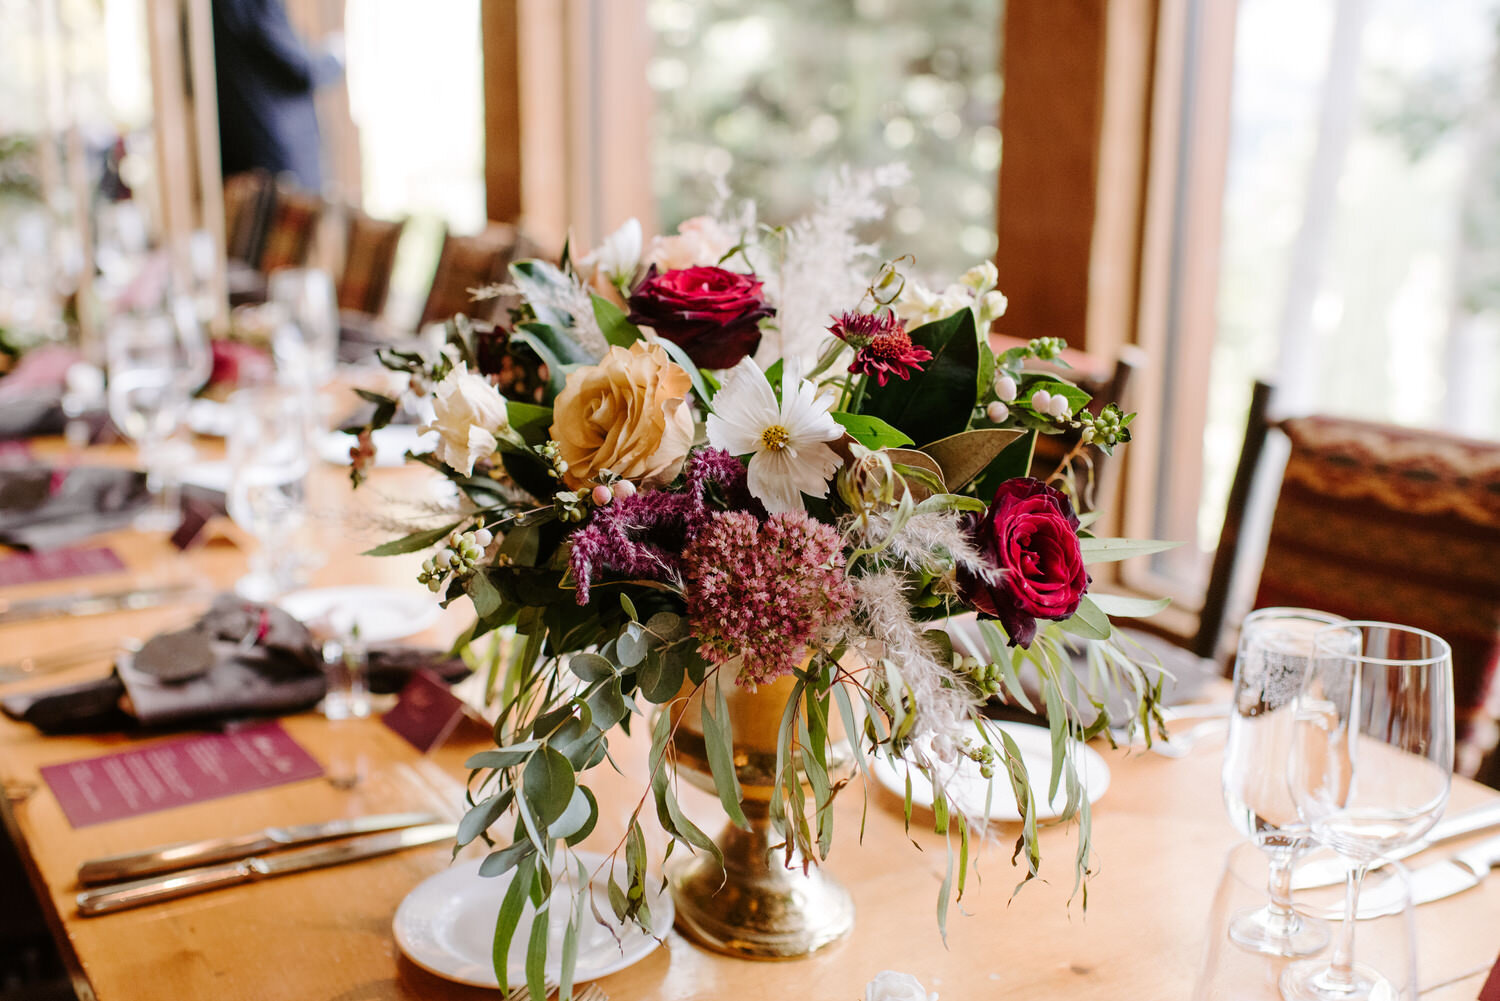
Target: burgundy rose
{"x":1030,"y":536}
{"x":712,"y":314}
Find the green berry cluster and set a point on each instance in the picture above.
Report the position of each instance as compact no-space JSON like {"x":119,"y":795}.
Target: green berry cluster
{"x":984,"y":677}
{"x":571,"y":505}
{"x":1108,"y":428}
{"x":1046,"y":348}
{"x":459,"y":557}
{"x":548,"y":451}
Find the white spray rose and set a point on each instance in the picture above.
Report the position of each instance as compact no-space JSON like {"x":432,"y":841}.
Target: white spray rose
{"x":992,"y":306}
{"x":700,"y":242}
{"x":468,"y":415}
{"x":981,"y":277}
{"x":619,"y":255}
{"x":889,"y":985}
{"x":919,"y":305}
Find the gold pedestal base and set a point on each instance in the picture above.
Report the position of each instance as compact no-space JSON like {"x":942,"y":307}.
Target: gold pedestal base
{"x":755,"y":907}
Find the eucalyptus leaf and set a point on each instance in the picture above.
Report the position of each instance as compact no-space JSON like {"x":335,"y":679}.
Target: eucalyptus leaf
{"x":485,"y":813}
{"x":1129,"y":608}
{"x":613,"y":324}
{"x":482,"y":593}
{"x":500,"y":862}
{"x":579,"y":811}
{"x":509,"y":917}
{"x":718,"y":740}
{"x":413,"y":543}
{"x":1110,"y":550}
{"x":590,"y":666}
{"x":548,"y":784}
{"x":587,"y":827}
{"x":1088,"y":622}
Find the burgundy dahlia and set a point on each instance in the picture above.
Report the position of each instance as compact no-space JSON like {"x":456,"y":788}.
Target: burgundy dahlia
{"x":881,"y":345}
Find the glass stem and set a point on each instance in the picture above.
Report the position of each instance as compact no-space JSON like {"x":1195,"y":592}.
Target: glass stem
{"x":1340,"y":973}
{"x":1282,"y":918}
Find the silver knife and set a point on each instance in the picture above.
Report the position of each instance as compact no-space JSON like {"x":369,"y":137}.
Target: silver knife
{"x":1328,"y":871}
{"x":1464,"y":871}
{"x":95,"y":602}
{"x":107,"y":899}
{"x":187,"y":854}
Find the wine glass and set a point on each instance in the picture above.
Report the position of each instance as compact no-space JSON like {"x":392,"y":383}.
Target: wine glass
{"x":306,"y":346}
{"x":1371,"y":766}
{"x":147,"y":396}
{"x":1276,"y":646}
{"x":268,"y":465}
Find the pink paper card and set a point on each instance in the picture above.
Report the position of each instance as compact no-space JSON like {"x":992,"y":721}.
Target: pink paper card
{"x":426,"y":712}
{"x":58,"y":564}
{"x":14,"y":452}
{"x":176,"y":773}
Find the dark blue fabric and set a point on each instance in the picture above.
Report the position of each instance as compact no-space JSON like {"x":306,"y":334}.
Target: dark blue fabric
{"x":266,"y":77}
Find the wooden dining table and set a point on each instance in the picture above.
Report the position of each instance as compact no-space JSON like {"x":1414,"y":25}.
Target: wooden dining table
{"x":1160,"y":837}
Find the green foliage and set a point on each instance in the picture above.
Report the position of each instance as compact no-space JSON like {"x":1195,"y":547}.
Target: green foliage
{"x":871,"y":432}
{"x":937,"y":401}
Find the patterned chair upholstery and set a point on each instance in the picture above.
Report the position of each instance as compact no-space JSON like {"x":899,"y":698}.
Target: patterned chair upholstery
{"x":1379,"y":522}
{"x":289,"y":236}
{"x":369,"y":257}
{"x":470,"y":262}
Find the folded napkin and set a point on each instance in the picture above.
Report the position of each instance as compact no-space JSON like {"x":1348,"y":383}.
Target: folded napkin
{"x":241,"y":659}
{"x":31,"y":394}
{"x":42,"y":507}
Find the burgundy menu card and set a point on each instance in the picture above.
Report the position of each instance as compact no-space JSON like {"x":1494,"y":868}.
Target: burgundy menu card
{"x":1491,"y":989}
{"x":56,"y":564}
{"x":426,"y":712}
{"x":178,"y":772}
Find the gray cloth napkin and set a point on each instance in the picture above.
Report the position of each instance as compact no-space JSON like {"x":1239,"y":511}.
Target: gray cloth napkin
{"x":45,"y":508}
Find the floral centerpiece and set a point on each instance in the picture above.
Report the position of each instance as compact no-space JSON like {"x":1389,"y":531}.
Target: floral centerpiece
{"x":750,"y":463}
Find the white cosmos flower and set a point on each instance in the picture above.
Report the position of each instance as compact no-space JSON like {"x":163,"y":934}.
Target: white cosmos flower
{"x":789,"y":440}
{"x":619,"y":255}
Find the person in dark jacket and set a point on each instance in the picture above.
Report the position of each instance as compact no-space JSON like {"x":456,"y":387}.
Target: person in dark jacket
{"x":266,"y":78}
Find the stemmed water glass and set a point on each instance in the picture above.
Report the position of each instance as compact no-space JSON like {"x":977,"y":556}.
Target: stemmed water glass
{"x":1276,"y":646}
{"x":268,"y":459}
{"x":147,"y":395}
{"x":1371,"y":766}
{"x":306,"y":345}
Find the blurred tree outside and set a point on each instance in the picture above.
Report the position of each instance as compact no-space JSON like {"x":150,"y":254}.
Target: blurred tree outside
{"x":779,"y":92}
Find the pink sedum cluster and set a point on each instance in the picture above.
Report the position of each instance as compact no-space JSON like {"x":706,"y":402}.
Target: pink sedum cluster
{"x":763,"y":591}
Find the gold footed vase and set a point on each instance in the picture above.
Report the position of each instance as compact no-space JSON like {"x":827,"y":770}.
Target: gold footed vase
{"x":755,"y":907}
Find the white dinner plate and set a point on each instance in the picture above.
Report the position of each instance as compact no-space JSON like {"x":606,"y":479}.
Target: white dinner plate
{"x":391,"y":445}
{"x":447,"y":927}
{"x":382,"y":613}
{"x":968,"y":788}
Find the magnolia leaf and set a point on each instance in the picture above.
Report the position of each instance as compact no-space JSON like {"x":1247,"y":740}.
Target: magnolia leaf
{"x":1110,"y":550}
{"x":1013,"y":461}
{"x":1129,"y":608}
{"x":871,"y":432}
{"x":415,"y":542}
{"x":938,"y":400}
{"x":617,"y":330}
{"x":922,"y":461}
{"x":965,"y":455}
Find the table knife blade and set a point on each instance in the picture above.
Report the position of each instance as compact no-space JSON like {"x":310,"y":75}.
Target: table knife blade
{"x":170,"y":886}
{"x":190,"y":854}
{"x":78,"y":603}
{"x":1328,"y":871}
{"x":1464,"y":870}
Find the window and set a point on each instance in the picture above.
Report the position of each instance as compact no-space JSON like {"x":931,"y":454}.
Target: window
{"x":777,"y":92}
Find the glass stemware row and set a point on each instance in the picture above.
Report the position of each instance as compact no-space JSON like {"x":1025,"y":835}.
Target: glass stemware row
{"x":1340,"y":733}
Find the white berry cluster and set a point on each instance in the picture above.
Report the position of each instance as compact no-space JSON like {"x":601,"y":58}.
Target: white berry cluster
{"x":459,"y":557}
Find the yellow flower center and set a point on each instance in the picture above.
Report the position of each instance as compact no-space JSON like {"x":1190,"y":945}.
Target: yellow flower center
{"x":775,"y":437}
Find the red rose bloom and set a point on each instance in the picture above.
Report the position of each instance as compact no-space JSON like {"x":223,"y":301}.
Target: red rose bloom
{"x":1029,"y":535}
{"x":712,"y":314}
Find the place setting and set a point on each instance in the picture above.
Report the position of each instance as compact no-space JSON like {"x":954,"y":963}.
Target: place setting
{"x":840,"y":499}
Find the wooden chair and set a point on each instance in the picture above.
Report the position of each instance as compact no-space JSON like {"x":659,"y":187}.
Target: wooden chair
{"x":289,"y":236}
{"x":369,"y":257}
{"x":1374,"y":521}
{"x":248,"y":198}
{"x":471,"y":262}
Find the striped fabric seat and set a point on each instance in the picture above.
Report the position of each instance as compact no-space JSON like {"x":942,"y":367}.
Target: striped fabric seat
{"x":1379,"y":522}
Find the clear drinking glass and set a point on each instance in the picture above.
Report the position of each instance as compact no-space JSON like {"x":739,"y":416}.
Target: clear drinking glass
{"x":147,"y":398}
{"x":268,"y":465}
{"x":1276,"y":646}
{"x":1371,"y":765}
{"x":305,"y":347}
{"x":1229,"y":973}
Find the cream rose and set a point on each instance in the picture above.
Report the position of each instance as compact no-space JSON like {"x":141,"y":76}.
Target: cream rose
{"x":889,"y":985}
{"x":468,"y":415}
{"x":700,"y":242}
{"x":628,"y":414}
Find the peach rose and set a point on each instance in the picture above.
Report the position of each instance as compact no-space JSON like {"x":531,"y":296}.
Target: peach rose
{"x":628,"y":414}
{"x":700,"y":242}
